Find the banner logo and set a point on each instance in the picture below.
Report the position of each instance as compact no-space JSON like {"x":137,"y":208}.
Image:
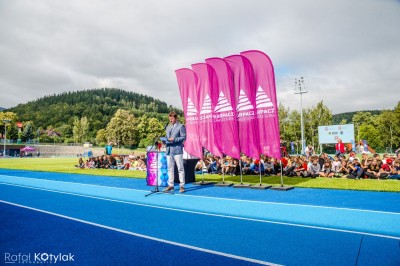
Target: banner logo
{"x":191,"y":110}
{"x":205,"y":113}
{"x":244,"y":103}
{"x":206,"y":109}
{"x":262,"y":99}
{"x":223,"y":104}
{"x":244,"y":107}
{"x":264,"y":105}
{"x":223,"y":111}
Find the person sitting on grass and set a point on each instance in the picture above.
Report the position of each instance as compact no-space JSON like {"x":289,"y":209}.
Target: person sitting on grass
{"x":269,"y":167}
{"x":326,"y":170}
{"x":213,"y":164}
{"x":373,"y":170}
{"x":352,"y":156}
{"x":134,"y":164}
{"x":112,"y":162}
{"x":80,"y":164}
{"x":126,"y":163}
{"x":336,"y":164}
{"x":290,"y":166}
{"x":384,"y":171}
{"x":120,"y":162}
{"x":395,"y":170}
{"x":365,"y":161}
{"x":255,"y":168}
{"x":226,"y":165}
{"x":355,"y":170}
{"x":321,"y":160}
{"x":201,"y":168}
{"x":344,"y":169}
{"x":314,"y":168}
{"x":236,"y":167}
{"x":246,"y":162}
{"x":310,"y":162}
{"x":99,"y":162}
{"x":104,"y":162}
{"x":301,"y":169}
{"x":141,"y":166}
{"x":89,"y":163}
{"x":278,"y":166}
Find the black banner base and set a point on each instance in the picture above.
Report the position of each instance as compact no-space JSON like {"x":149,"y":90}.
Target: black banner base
{"x":241,"y":186}
{"x":204,"y":183}
{"x":260,"y":186}
{"x":282,"y":188}
{"x":223,"y":184}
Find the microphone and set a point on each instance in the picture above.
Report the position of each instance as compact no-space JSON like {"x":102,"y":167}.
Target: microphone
{"x":166,"y":125}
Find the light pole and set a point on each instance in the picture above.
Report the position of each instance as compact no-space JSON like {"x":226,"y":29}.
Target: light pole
{"x":299,"y":89}
{"x":5,"y":121}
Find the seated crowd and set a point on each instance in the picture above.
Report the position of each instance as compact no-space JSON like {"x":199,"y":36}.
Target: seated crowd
{"x":120,"y":162}
{"x":369,"y":166}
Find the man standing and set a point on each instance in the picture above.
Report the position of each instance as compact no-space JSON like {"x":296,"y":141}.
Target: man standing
{"x":176,"y":135}
{"x":108,"y":149}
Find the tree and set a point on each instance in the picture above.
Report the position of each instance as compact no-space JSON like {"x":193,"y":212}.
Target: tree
{"x":101,"y":137}
{"x":283,"y":114}
{"x":320,"y":115}
{"x":361,"y":118}
{"x":29,"y":132}
{"x":396,"y":130}
{"x":371,"y":134}
{"x":294,"y":128}
{"x":388,"y":126}
{"x":81,"y":129}
{"x":154,"y":131}
{"x":12,"y":130}
{"x":122,"y":129}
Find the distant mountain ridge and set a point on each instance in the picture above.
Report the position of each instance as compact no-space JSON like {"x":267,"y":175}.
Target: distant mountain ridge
{"x":348,"y":116}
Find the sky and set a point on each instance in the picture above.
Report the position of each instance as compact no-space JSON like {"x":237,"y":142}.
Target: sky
{"x":348,"y":52}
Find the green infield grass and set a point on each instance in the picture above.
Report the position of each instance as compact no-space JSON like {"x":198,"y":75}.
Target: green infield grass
{"x":67,"y":165}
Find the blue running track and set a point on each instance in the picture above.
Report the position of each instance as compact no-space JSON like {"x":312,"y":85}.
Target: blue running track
{"x":109,"y":221}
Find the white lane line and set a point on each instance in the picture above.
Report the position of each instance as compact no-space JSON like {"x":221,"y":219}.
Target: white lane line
{"x":144,"y":236}
{"x":210,"y":214}
{"x":83,"y":184}
{"x":216,"y":198}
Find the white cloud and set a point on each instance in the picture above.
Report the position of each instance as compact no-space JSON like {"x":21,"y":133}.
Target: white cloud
{"x":347,"y":51}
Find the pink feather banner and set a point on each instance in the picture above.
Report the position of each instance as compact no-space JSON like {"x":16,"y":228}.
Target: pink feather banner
{"x":205,"y":83}
{"x":266,"y":103}
{"x":245,"y":96}
{"x":187,"y":82}
{"x":224,"y":108}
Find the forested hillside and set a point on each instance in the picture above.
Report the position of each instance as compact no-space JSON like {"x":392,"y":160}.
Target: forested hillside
{"x":58,"y":113}
{"x":98,"y":105}
{"x":348,"y":117}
